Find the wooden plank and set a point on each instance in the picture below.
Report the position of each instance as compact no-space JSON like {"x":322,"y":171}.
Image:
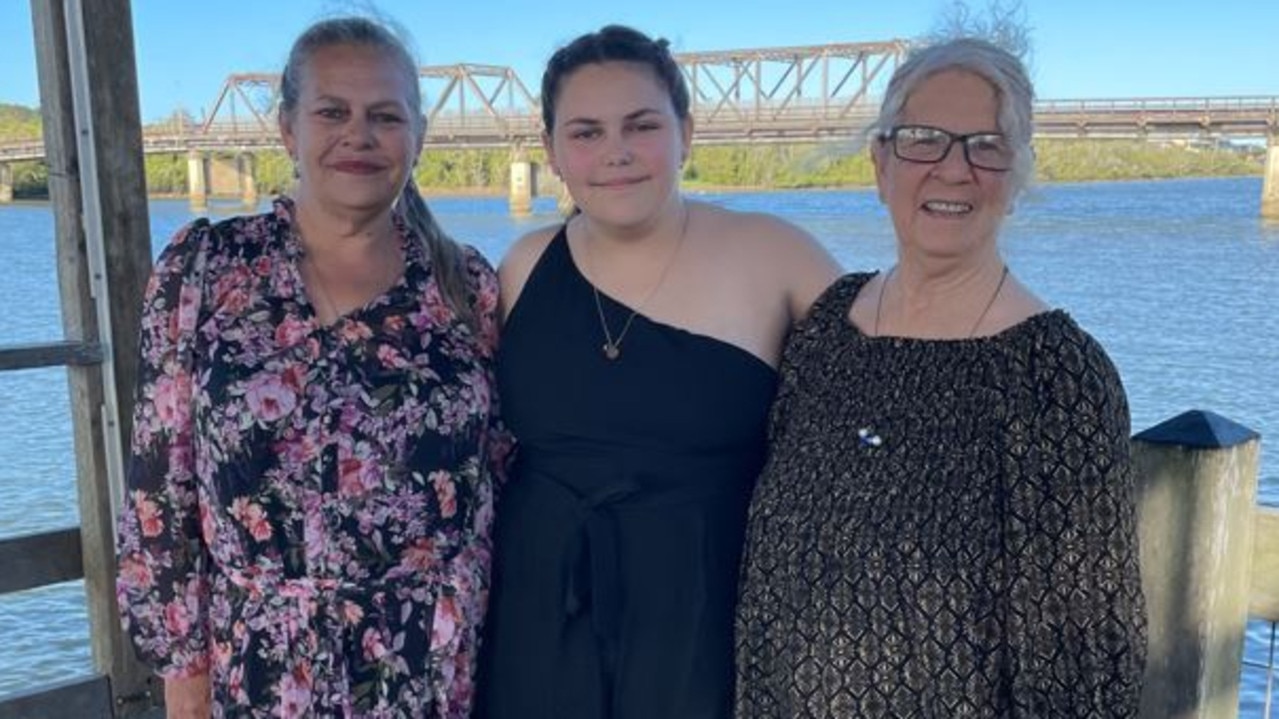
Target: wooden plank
{"x":88,"y":698}
{"x":52,"y":354}
{"x":1264,"y":599}
{"x":35,"y":560}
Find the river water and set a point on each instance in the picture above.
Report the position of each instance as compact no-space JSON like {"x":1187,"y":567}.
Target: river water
{"x":1179,"y":280}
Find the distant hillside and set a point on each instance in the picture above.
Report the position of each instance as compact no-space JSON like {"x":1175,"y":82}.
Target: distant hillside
{"x":18,"y":122}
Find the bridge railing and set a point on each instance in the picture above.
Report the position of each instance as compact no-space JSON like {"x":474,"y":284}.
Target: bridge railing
{"x":794,"y":118}
{"x":1243,"y":103}
{"x":21,"y":150}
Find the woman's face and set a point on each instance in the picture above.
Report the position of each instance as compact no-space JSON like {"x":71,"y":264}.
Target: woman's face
{"x":617,"y":142}
{"x":353,"y":132}
{"x":949,"y":209}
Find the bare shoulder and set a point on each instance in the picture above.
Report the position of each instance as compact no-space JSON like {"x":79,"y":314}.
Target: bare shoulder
{"x":518,"y":263}
{"x":777,"y":251}
{"x":764,"y":237}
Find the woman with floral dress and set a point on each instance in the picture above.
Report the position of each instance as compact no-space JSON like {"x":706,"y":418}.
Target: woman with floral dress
{"x":315,"y":444}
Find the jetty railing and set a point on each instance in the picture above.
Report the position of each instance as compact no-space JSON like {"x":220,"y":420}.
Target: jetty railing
{"x":92,"y":136}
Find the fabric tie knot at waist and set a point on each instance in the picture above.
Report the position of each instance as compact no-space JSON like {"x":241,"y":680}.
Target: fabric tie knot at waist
{"x":592,"y":560}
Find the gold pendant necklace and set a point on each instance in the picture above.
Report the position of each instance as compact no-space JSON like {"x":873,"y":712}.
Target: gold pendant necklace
{"x":612,"y":347}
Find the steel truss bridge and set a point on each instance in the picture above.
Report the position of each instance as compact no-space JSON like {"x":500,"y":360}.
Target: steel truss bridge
{"x":787,"y":94}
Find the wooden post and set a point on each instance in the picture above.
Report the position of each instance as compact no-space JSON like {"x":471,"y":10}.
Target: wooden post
{"x":1198,"y":479}
{"x":101,"y":276}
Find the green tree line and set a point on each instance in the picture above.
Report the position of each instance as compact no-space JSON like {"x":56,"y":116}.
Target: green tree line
{"x":30,"y":179}
{"x":738,"y":166}
{"x":780,"y":166}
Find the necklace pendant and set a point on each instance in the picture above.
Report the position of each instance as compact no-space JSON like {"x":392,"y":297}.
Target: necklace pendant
{"x":611,"y":350}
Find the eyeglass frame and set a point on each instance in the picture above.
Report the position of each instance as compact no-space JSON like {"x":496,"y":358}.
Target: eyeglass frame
{"x":890,"y":138}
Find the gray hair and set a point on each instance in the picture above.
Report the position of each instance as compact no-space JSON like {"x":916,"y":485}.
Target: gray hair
{"x":1000,"y":68}
{"x":352,"y":31}
{"x":447,"y":262}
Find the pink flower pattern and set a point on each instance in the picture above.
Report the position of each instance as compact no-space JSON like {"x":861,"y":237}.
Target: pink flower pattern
{"x":308,"y":507}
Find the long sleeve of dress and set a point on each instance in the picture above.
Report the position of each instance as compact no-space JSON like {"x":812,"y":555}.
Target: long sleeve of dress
{"x":162,"y":587}
{"x":499,"y":444}
{"x":1077,"y":616}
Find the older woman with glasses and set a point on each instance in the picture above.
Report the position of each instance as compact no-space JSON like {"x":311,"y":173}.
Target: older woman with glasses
{"x":945,"y":525}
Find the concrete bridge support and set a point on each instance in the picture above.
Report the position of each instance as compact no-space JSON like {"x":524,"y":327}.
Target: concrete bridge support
{"x":523,"y":186}
{"x":1270,"y":185}
{"x":198,"y":179}
{"x":6,"y":183}
{"x":247,"y":169}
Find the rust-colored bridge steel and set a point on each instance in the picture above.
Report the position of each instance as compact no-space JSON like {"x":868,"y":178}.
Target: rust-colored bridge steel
{"x":788,"y":94}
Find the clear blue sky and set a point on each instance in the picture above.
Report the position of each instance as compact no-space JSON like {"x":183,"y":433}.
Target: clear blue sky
{"x":1082,"y":48}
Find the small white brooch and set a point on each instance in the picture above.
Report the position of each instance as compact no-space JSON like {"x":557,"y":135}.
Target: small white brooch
{"x":869,"y":438}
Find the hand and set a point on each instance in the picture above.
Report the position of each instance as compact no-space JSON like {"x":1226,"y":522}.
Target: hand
{"x":188,"y":697}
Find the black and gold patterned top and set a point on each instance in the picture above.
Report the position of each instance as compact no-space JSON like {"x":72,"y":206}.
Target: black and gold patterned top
{"x":942,"y":529}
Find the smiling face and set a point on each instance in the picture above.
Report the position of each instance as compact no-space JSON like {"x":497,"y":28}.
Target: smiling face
{"x":949,"y":209}
{"x":353,"y":133}
{"x":617,"y":142}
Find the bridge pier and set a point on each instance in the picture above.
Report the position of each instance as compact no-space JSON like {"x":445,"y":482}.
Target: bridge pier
{"x":198,"y":180}
{"x":246,"y":167}
{"x":520,"y":199}
{"x":6,"y":183}
{"x":1270,"y":185}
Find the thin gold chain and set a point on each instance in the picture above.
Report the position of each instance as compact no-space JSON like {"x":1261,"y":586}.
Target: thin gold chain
{"x":612,"y":348}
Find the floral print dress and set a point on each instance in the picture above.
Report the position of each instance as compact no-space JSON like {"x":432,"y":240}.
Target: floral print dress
{"x":308,"y":507}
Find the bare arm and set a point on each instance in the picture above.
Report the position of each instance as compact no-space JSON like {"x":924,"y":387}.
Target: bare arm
{"x":812,"y":269}
{"x":802,"y":267}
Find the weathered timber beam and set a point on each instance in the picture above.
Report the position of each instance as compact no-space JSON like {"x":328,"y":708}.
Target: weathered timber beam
{"x":88,"y":698}
{"x":37,"y":560}
{"x":50,"y":355}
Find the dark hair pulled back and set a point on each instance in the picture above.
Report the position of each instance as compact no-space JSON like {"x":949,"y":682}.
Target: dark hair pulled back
{"x":613,"y":43}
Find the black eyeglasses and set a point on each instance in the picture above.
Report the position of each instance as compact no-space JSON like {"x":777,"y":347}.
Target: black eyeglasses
{"x":929,"y":145}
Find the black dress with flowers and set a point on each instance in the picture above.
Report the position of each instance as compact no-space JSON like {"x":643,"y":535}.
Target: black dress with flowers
{"x":618,"y":537}
{"x":943,"y":529}
{"x":309,"y":505}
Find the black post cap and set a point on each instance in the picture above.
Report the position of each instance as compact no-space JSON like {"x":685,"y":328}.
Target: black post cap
{"x":1200,"y":429}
